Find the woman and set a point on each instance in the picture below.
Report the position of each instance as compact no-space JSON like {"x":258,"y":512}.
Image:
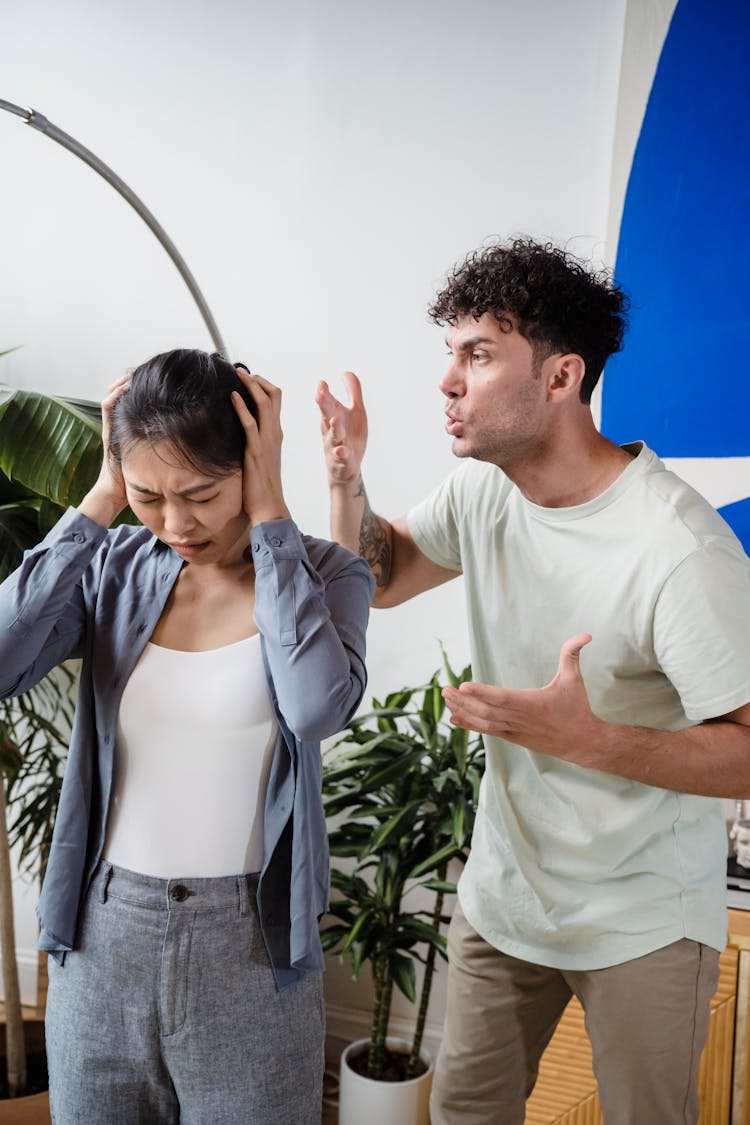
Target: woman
{"x":189,"y":861}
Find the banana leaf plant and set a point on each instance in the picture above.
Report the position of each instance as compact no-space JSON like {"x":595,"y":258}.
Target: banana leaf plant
{"x":401,"y":791}
{"x":50,"y":452}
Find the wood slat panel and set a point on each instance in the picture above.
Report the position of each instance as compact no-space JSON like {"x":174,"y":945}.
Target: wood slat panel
{"x":741,"y":1090}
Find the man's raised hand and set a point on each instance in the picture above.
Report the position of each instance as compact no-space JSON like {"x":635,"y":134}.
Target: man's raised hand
{"x":344,"y":430}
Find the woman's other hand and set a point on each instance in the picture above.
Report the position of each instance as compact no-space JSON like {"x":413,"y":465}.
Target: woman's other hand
{"x":104,"y":502}
{"x":262,"y":489}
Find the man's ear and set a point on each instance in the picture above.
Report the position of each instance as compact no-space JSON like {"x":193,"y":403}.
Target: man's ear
{"x":564,"y":376}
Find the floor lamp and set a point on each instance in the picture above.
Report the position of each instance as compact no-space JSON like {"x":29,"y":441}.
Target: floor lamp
{"x":39,"y":122}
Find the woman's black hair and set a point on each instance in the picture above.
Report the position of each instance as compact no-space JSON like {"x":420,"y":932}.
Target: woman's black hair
{"x":183,"y":398}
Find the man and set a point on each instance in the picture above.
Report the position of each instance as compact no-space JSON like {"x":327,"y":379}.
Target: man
{"x":609,"y":617}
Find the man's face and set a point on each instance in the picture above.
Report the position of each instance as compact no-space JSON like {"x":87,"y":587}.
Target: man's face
{"x":495,"y":392}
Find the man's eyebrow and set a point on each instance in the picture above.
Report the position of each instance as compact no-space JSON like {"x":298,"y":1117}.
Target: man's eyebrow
{"x":184,"y":492}
{"x":467,"y":345}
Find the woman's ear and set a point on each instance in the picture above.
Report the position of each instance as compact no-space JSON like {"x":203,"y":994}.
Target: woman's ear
{"x":565,"y":376}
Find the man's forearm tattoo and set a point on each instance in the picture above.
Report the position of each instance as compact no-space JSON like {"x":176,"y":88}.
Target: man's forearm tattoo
{"x":373,"y":541}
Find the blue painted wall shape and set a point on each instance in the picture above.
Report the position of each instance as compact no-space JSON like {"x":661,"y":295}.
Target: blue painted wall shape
{"x":684,"y":250}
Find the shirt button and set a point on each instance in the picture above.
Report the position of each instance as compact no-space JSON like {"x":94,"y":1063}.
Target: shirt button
{"x":79,"y":538}
{"x":275,"y":542}
{"x":179,"y":893}
{"x":165,"y":578}
{"x":257,"y":546}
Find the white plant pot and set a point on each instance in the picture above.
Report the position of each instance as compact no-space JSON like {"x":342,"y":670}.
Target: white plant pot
{"x":363,"y":1101}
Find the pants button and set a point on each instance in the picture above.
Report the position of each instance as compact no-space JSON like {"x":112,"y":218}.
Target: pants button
{"x":179,"y":893}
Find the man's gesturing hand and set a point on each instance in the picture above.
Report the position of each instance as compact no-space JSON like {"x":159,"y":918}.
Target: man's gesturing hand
{"x":556,"y":719}
{"x":344,"y":430}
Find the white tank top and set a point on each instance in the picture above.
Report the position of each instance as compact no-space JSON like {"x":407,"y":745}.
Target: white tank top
{"x":195,"y":742}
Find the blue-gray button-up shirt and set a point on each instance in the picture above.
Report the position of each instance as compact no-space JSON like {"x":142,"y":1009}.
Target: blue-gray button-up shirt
{"x":96,"y":594}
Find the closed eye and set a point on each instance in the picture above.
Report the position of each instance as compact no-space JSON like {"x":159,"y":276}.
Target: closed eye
{"x":191,"y":500}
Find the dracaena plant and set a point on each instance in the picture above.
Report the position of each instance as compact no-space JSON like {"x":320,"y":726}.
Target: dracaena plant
{"x":400,"y":789}
{"x":50,"y":452}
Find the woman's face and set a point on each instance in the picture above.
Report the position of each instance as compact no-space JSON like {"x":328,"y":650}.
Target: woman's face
{"x":197,"y":513}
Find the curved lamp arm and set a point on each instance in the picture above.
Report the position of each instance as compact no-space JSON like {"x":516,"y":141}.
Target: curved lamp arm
{"x":39,"y":121}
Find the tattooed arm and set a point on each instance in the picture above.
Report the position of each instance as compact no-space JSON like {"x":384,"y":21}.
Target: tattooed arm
{"x":401,"y":570}
{"x":375,"y":539}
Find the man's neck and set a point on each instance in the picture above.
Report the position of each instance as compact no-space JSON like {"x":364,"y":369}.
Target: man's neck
{"x":570,"y":470}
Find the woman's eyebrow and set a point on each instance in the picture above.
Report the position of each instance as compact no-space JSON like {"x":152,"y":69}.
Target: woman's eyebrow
{"x":182,"y":492}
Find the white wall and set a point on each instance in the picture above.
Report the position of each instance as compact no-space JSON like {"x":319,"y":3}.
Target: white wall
{"x":319,"y":164}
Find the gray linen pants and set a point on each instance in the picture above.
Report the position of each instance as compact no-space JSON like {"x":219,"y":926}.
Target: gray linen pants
{"x":647,"y":1020}
{"x":168,"y":1012}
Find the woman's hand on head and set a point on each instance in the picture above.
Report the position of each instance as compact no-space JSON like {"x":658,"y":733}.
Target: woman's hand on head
{"x":262,"y":489}
{"x":107,"y":498}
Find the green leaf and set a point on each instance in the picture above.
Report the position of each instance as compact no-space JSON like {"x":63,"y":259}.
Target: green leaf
{"x":360,"y":929}
{"x":475,"y":778}
{"x":385,"y":739}
{"x":331,"y":936}
{"x":433,"y":861}
{"x":400,"y":769}
{"x":10,"y":756}
{"x":357,"y":954}
{"x":459,"y":832}
{"x":459,"y":744}
{"x":396,"y":826}
{"x":89,"y":409}
{"x":19,"y":530}
{"x":437,"y":703}
{"x":414,"y":930}
{"x":453,"y":679}
{"x":403,"y":973}
{"x":48,"y":445}
{"x":399,"y":699}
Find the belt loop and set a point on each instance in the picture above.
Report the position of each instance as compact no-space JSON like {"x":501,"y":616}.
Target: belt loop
{"x":242,"y":881}
{"x":104,"y":877}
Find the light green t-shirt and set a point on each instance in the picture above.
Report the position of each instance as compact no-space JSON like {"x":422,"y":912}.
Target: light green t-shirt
{"x":573,"y":867}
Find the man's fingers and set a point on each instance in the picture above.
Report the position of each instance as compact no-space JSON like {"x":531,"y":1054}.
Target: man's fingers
{"x":570,"y":652}
{"x":354,"y":387}
{"x":327,"y":403}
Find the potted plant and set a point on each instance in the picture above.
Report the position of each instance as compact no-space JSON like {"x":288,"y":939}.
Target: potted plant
{"x":50,"y":451}
{"x":401,"y":791}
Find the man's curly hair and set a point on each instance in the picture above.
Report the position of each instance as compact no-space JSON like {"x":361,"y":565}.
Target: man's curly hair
{"x":558,"y":302}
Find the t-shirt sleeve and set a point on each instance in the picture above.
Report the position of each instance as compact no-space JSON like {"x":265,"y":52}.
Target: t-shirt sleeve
{"x":702,"y":629}
{"x":433,"y":525}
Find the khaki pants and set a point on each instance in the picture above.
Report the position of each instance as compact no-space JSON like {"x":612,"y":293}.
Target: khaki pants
{"x":647,"y":1020}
